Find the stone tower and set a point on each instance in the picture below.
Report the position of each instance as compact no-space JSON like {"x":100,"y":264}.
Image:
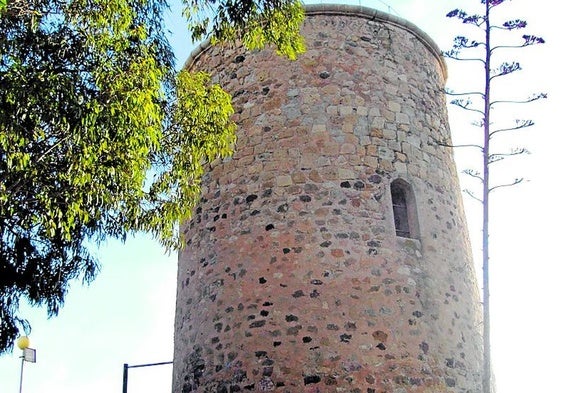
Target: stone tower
{"x":330,"y":253}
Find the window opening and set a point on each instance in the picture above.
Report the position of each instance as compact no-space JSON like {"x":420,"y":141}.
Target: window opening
{"x":400,"y":217}
{"x":403,"y":209}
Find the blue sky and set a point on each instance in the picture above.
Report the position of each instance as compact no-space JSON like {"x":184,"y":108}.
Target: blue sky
{"x":126,"y":315}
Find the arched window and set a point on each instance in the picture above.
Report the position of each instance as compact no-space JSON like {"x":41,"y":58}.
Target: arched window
{"x":404,"y":209}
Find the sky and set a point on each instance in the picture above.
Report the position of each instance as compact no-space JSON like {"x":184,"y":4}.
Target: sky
{"x":126,"y":315}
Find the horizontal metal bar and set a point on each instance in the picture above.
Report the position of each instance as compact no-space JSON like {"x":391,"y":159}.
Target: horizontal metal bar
{"x":149,"y":364}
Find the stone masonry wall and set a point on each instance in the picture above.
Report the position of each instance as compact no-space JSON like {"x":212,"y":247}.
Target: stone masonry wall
{"x":293,"y":279}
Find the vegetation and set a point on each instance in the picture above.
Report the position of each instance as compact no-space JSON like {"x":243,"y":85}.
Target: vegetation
{"x":100,"y":137}
{"x":485,"y":51}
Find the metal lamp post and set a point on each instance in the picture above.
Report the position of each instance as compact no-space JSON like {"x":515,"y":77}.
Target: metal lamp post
{"x":28,"y":355}
{"x":126,"y":367}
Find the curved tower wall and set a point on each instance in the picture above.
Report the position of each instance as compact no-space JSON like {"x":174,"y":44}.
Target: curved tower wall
{"x":294,"y":279}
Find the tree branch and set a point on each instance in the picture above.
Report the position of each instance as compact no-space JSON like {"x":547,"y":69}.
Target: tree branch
{"x":500,"y":156}
{"x":505,"y":69}
{"x":453,"y":55}
{"x":452,"y":93}
{"x":519,"y":125}
{"x":445,"y":144}
{"x":472,"y":195}
{"x":514,"y":182}
{"x":464,"y":104}
{"x":473,"y":173}
{"x":534,"y":97}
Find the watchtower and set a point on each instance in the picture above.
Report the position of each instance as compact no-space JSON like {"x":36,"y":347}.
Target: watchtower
{"x":330,"y":253}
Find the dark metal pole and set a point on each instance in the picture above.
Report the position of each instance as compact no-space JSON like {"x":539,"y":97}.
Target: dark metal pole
{"x":125,"y":377}
{"x":126,"y":371}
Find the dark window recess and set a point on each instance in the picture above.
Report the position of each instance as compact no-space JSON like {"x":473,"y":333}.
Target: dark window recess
{"x":403,"y":209}
{"x":400,"y":212}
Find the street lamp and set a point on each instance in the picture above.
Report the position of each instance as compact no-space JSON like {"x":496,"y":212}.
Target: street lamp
{"x":27,"y":355}
{"x":126,"y":367}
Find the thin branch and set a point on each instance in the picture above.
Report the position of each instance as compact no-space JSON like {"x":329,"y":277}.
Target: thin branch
{"x":453,"y":55}
{"x":472,"y":195}
{"x":534,"y":97}
{"x":514,"y":152}
{"x":466,"y":107}
{"x":54,"y":146}
{"x":461,"y":42}
{"x":532,"y":40}
{"x":494,"y":3}
{"x":508,"y":47}
{"x":529,"y":40}
{"x":511,"y":25}
{"x":498,"y":27}
{"x":501,"y":156}
{"x":473,"y":173}
{"x":519,"y":125}
{"x":478,"y":123}
{"x":514,"y":182}
{"x":467,"y":145}
{"x":452,"y":93}
{"x":445,"y":144}
{"x":505,"y":69}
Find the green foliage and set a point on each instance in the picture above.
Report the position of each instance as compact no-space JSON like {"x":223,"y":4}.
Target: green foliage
{"x":100,"y":137}
{"x":255,"y":24}
{"x":200,"y":132}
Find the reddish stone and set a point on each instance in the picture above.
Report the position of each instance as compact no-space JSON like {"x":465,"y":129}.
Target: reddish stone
{"x":304,"y":285}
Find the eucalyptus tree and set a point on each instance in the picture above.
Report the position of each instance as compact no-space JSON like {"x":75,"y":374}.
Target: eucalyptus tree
{"x":100,"y":137}
{"x":487,"y":48}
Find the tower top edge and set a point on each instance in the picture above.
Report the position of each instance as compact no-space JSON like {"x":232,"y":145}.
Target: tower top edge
{"x":360,"y":12}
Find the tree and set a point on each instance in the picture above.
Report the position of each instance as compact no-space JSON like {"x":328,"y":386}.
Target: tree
{"x":100,"y":137}
{"x":485,"y":51}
